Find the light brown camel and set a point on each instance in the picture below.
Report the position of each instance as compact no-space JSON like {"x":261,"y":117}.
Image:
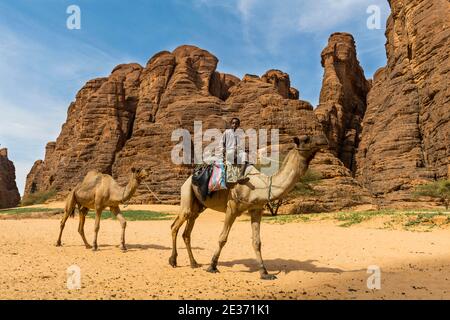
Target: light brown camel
{"x":251,"y":197}
{"x":98,"y":191}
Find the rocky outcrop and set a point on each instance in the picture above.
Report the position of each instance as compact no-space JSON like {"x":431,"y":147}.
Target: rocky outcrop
{"x":336,"y":188}
{"x":127,"y":120}
{"x":406,"y":129}
{"x":221,"y":84}
{"x":9,"y":194}
{"x":98,"y":124}
{"x":175,"y":90}
{"x":390,"y":133}
{"x":343,"y":95}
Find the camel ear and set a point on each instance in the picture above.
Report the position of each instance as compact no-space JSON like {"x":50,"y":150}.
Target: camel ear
{"x":133,"y":169}
{"x":297,"y":141}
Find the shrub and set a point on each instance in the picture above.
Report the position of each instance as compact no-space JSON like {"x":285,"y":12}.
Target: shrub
{"x":439,"y":190}
{"x":304,"y":186}
{"x":38,"y":197}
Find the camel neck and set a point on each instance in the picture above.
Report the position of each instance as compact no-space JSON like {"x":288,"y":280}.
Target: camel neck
{"x":284,"y":180}
{"x":130,"y":188}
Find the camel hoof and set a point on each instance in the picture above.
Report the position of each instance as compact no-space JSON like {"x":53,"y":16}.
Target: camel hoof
{"x":58,"y":244}
{"x":94,"y":248}
{"x":266,"y":276}
{"x":173,"y":262}
{"x":88,"y":246}
{"x":124,"y":249}
{"x":195,"y":265}
{"x":212,"y":269}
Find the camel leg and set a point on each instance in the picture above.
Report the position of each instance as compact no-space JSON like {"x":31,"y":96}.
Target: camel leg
{"x":176,"y":225}
{"x":256,"y":223}
{"x":83,"y":213}
{"x":123,"y":224}
{"x":229,"y":220}
{"x":187,"y":239}
{"x":186,"y":210}
{"x":98,"y":214}
{"x":67,"y":213}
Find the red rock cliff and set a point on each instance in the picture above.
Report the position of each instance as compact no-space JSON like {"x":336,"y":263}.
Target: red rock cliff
{"x":9,"y":194}
{"x":406,"y":129}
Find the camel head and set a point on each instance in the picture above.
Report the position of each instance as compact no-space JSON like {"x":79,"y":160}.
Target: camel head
{"x":309,"y":145}
{"x":139,"y":174}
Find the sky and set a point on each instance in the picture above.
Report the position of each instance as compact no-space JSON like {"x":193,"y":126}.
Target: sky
{"x":43,"y":63}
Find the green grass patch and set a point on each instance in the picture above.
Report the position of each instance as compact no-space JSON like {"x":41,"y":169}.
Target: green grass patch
{"x":351,"y":219}
{"x":407,"y":219}
{"x":425,"y":219}
{"x":286,"y":218}
{"x":135,"y":215}
{"x":355,"y":217}
{"x":26,"y":210}
{"x":130,"y":215}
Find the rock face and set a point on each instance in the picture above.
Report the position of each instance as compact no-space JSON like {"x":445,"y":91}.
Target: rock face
{"x":342,"y":101}
{"x":406,"y":129}
{"x":9,"y":194}
{"x":390,"y":133}
{"x":127,"y":120}
{"x":98,"y":124}
{"x":175,"y":89}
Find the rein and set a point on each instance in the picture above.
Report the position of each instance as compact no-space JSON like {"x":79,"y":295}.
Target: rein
{"x":269,"y":191}
{"x":123,"y":195}
{"x":270,"y":188}
{"x":154,"y":194}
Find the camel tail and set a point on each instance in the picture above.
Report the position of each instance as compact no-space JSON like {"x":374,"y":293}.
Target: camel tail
{"x":70,"y":204}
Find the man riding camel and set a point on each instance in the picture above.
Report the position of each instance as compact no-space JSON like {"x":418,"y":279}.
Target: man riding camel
{"x":233,"y":150}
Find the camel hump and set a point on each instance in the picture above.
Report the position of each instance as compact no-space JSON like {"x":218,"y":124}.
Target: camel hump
{"x":92,"y":177}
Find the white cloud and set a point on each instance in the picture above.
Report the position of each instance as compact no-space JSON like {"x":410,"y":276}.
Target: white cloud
{"x":245,"y":8}
{"x":39,"y":79}
{"x":274,"y":21}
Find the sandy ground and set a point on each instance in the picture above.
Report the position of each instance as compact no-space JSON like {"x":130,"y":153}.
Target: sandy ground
{"x":312,"y":260}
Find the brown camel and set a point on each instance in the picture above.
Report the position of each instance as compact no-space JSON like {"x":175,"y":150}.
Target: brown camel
{"x":98,"y":191}
{"x":251,"y":197}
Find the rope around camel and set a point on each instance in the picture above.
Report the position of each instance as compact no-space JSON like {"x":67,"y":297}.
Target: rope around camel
{"x":154,"y":194}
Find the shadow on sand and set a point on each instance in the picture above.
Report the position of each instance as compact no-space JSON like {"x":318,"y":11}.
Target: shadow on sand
{"x":136,"y":247}
{"x":284,"y":265}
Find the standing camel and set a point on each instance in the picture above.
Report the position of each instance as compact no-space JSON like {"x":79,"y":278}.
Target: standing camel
{"x":251,"y":197}
{"x":98,"y":191}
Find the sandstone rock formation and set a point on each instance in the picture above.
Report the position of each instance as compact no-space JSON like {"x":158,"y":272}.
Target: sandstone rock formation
{"x":98,"y":124}
{"x":406,"y":129}
{"x":390,"y":133}
{"x":127,"y":119}
{"x":342,"y":101}
{"x":9,"y":194}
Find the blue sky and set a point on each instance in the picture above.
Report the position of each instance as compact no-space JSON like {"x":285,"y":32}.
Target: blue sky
{"x":43,"y":64}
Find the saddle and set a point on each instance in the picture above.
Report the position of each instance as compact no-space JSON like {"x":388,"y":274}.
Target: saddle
{"x":209,"y":178}
{"x":200,"y":178}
